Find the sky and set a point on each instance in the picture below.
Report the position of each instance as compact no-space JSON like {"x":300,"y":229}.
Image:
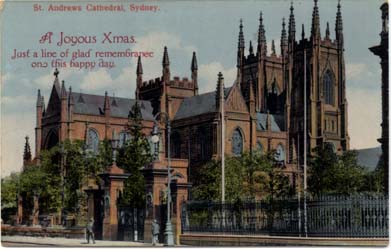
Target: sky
{"x":208,"y":27}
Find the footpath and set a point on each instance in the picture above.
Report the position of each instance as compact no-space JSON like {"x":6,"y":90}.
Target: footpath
{"x":64,"y":242}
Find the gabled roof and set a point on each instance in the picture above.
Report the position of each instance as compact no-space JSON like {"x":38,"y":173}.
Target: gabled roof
{"x":198,"y":105}
{"x":93,"y":105}
{"x":276,"y":121}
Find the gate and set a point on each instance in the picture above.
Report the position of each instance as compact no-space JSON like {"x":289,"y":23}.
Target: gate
{"x":131,"y":224}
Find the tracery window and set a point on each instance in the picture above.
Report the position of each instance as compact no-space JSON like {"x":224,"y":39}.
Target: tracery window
{"x":92,"y":140}
{"x":237,"y":142}
{"x":328,"y":88}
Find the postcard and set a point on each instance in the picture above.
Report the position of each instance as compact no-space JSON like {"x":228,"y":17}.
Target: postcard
{"x":194,"y":123}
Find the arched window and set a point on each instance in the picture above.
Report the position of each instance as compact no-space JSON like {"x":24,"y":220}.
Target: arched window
{"x":328,"y":88}
{"x":280,"y":153}
{"x":51,"y":140}
{"x":92,"y":140}
{"x":259,"y":147}
{"x":237,"y":142}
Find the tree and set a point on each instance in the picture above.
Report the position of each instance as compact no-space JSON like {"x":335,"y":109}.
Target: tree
{"x":133,"y":157}
{"x":206,"y":185}
{"x":250,"y":175}
{"x":9,"y":192}
{"x":334,"y":174}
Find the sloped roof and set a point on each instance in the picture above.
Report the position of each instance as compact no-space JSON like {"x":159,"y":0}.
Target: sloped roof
{"x":277,"y":122}
{"x":119,"y":107}
{"x":198,"y":105}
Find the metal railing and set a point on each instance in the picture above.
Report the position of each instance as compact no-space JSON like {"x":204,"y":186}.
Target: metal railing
{"x":328,"y":216}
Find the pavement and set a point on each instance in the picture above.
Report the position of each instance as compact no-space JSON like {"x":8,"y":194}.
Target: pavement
{"x":20,"y":241}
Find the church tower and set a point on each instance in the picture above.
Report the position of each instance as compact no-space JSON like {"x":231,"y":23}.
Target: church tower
{"x":322,"y":62}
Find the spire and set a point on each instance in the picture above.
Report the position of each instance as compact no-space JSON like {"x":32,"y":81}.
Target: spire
{"x":166,"y":61}
{"x":39,"y":99}
{"x":262,"y":48}
{"x":70,"y":96}
{"x":315,"y":28}
{"x":302,"y":32}
{"x":194,"y":75}
{"x":284,"y":41}
{"x":194,"y":65}
{"x":327,"y":31}
{"x":273,"y":48}
{"x":338,"y":24}
{"x":241,"y":36}
{"x":166,"y":67}
{"x":250,"y":49}
{"x":27,"y":151}
{"x":63,"y":90}
{"x":107,"y":102}
{"x":292,"y":24}
{"x":139,"y":70}
{"x":219,"y":89}
{"x":240,"y":46}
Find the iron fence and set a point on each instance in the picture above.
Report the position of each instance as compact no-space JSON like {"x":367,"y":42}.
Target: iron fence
{"x":327,"y":216}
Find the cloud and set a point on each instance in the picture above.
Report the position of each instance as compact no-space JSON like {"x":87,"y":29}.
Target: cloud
{"x":18,"y":101}
{"x":13,"y":132}
{"x":46,"y":80}
{"x":207,"y":74}
{"x":101,"y":80}
{"x":364,"y":118}
{"x":355,"y":70}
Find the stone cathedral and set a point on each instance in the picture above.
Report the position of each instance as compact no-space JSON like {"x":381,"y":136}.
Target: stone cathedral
{"x":263,"y":107}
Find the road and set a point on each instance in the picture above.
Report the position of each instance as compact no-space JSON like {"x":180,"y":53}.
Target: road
{"x":27,"y":241}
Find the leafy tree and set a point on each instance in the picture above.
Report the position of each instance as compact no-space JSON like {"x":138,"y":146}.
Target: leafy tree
{"x":332,"y":173}
{"x":206,"y":185}
{"x":374,"y":180}
{"x":9,"y":190}
{"x":250,"y":175}
{"x":133,"y":157}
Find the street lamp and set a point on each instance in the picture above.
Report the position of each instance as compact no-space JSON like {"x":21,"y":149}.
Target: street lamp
{"x":155,"y":140}
{"x":169,"y":237}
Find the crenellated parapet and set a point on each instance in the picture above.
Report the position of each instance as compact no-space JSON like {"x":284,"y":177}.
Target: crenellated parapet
{"x":185,"y":82}
{"x":151,"y":84}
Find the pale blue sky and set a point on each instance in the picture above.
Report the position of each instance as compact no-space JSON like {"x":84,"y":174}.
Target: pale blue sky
{"x":208,"y":27}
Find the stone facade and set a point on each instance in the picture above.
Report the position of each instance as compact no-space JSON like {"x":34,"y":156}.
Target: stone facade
{"x":381,"y":51}
{"x":263,"y":107}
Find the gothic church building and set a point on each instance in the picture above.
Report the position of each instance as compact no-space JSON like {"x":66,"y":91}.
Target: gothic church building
{"x":263,"y":107}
